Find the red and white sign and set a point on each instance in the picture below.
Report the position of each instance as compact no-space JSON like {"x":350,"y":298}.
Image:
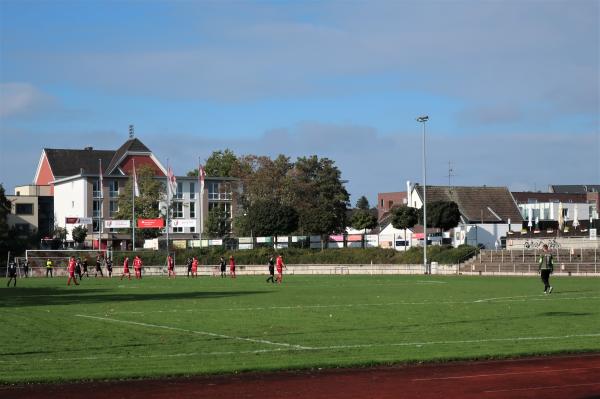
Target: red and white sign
{"x":76,"y":220}
{"x":183,"y":223}
{"x":157,"y":223}
{"x":117,"y":224}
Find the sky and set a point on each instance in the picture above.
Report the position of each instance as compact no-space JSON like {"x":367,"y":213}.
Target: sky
{"x":511,"y":88}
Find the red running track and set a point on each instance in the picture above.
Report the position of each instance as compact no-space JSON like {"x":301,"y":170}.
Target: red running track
{"x":564,"y":377}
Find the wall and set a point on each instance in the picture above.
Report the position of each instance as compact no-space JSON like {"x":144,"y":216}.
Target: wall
{"x":70,"y":200}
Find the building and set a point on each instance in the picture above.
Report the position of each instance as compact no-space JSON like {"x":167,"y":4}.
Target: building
{"x":32,"y":210}
{"x":592,"y":192}
{"x":544,"y":207}
{"x":386,"y":201}
{"x":73,"y":178}
{"x":486,"y":213}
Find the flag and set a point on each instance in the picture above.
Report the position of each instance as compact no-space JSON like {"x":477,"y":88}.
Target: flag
{"x":201,"y":175}
{"x":136,"y":188}
{"x":101,"y":180}
{"x":172,"y":181}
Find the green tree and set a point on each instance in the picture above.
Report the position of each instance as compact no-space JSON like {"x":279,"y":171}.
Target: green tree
{"x":362,"y":203}
{"x":59,"y":235}
{"x":443,"y":215}
{"x":319,"y":196}
{"x":217,"y":223}
{"x":363,"y":219}
{"x":152,"y":191}
{"x":269,"y":217}
{"x":404,"y":217}
{"x":5,"y":209}
{"x":79,"y":233}
{"x":219,"y":164}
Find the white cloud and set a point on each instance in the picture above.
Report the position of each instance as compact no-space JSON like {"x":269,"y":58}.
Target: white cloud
{"x":18,"y":99}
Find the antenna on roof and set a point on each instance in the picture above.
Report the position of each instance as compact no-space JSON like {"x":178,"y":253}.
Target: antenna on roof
{"x":450,"y":174}
{"x":130,"y":131}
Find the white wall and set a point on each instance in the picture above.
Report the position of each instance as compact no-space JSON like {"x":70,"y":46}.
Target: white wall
{"x":549,"y":210}
{"x":70,"y":200}
{"x":391,"y":234}
{"x":486,"y":233}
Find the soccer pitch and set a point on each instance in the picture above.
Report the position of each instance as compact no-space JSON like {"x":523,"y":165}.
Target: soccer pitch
{"x":111,"y":329}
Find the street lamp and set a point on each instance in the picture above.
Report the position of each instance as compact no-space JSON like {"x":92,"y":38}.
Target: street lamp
{"x":423,"y":119}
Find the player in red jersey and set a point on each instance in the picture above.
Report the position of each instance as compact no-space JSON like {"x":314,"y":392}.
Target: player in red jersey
{"x":71,"y":269}
{"x":137,"y":266}
{"x":280,"y":266}
{"x":126,"y":269}
{"x":232,"y":266}
{"x":171,"y":266}
{"x":195,"y":267}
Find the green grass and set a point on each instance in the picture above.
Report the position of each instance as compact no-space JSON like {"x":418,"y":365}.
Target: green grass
{"x":185,"y":326}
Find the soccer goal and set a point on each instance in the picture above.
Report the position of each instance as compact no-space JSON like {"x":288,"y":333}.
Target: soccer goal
{"x":36,"y":259}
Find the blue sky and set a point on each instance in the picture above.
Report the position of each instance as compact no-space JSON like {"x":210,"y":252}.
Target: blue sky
{"x":512,"y":88}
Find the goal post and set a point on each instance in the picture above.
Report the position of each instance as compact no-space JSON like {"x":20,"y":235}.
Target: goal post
{"x":36,"y":259}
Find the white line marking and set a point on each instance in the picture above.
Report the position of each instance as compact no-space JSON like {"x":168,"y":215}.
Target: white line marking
{"x":351,"y":305}
{"x":548,"y":387}
{"x":210,"y":334}
{"x":460,"y":377}
{"x":288,"y":347}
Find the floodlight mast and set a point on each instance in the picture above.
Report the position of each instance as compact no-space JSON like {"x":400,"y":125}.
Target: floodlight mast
{"x":423,"y":119}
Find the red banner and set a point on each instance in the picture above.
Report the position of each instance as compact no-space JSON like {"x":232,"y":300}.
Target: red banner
{"x":157,"y":223}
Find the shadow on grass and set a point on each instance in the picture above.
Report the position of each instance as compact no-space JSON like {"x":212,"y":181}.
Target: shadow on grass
{"x":49,"y":296}
{"x":561,"y":314}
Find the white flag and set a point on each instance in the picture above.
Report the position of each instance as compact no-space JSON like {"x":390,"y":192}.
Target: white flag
{"x":172,"y":181}
{"x":136,"y":188}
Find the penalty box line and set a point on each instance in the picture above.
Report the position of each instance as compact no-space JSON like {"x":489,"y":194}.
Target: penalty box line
{"x":207,"y":333}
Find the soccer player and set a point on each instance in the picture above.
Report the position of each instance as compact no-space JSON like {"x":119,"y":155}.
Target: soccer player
{"x":98,"y":266}
{"x":137,"y":266}
{"x":85,"y":266}
{"x":189,"y":266}
{"x":26,"y":268}
{"x":126,"y":269}
{"x":223,"y":266}
{"x":71,"y":269}
{"x":546,"y":267}
{"x":78,"y":268}
{"x":280,"y":266}
{"x":171,"y":266}
{"x":49,"y":267}
{"x":195,"y":267}
{"x":109,"y":267}
{"x":12,"y":274}
{"x":232,"y":267}
{"x":271,"y":270}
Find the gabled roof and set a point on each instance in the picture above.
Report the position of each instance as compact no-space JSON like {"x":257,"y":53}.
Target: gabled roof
{"x":477,"y":204}
{"x":65,"y":162}
{"x":131,"y":145}
{"x":575,"y":188}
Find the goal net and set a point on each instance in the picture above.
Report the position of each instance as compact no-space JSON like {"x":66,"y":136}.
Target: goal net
{"x":36,"y":259}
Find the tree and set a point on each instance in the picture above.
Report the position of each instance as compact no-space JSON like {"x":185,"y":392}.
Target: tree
{"x":59,"y":235}
{"x":217,"y":223}
{"x":319,"y":196}
{"x":404,"y":217}
{"x":363,"y":219}
{"x":219,"y":164}
{"x":152,"y":191}
{"x":268,"y":217}
{"x":5,"y":209}
{"x":362,"y":203}
{"x":79,"y":233}
{"x":443,"y":215}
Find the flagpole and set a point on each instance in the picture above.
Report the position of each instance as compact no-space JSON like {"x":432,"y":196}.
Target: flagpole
{"x":201,"y":192}
{"x":133,"y":204}
{"x":168,"y":202}
{"x":101,"y":209}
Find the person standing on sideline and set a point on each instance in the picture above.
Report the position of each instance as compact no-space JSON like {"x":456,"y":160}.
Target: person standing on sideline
{"x":232,"y":266}
{"x":109,"y":267}
{"x":49,"y":267}
{"x":99,"y":266}
{"x":137,"y":266}
{"x":546,"y":267}
{"x":126,"y":269}
{"x":71,"y":269}
{"x":189,"y":266}
{"x":271,"y":270}
{"x":171,"y":266}
{"x":12,"y":273}
{"x":195,"y":267}
{"x":223,"y":266}
{"x":280,"y":266}
{"x":78,"y":268}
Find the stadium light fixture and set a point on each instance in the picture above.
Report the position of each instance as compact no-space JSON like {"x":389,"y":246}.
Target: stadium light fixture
{"x":423,"y":119}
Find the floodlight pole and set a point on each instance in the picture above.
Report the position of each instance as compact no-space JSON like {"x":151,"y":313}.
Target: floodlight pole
{"x":423,"y":119}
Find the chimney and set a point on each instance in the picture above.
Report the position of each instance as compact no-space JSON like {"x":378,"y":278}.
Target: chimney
{"x":408,"y":193}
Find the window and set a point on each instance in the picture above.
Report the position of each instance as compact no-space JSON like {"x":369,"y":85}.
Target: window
{"x":219,"y":191}
{"x":192,"y":209}
{"x":223,"y":205}
{"x":178,"y":210}
{"x":192,"y":229}
{"x":24,"y":209}
{"x":113,"y":189}
{"x":97,"y":209}
{"x":177,"y":229}
{"x":96,"y":226}
{"x":97,"y":190}
{"x":113,"y":208}
{"x":192,"y":190}
{"x":179,"y":193}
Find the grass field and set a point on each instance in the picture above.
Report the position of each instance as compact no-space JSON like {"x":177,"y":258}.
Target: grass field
{"x":110,"y":329}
